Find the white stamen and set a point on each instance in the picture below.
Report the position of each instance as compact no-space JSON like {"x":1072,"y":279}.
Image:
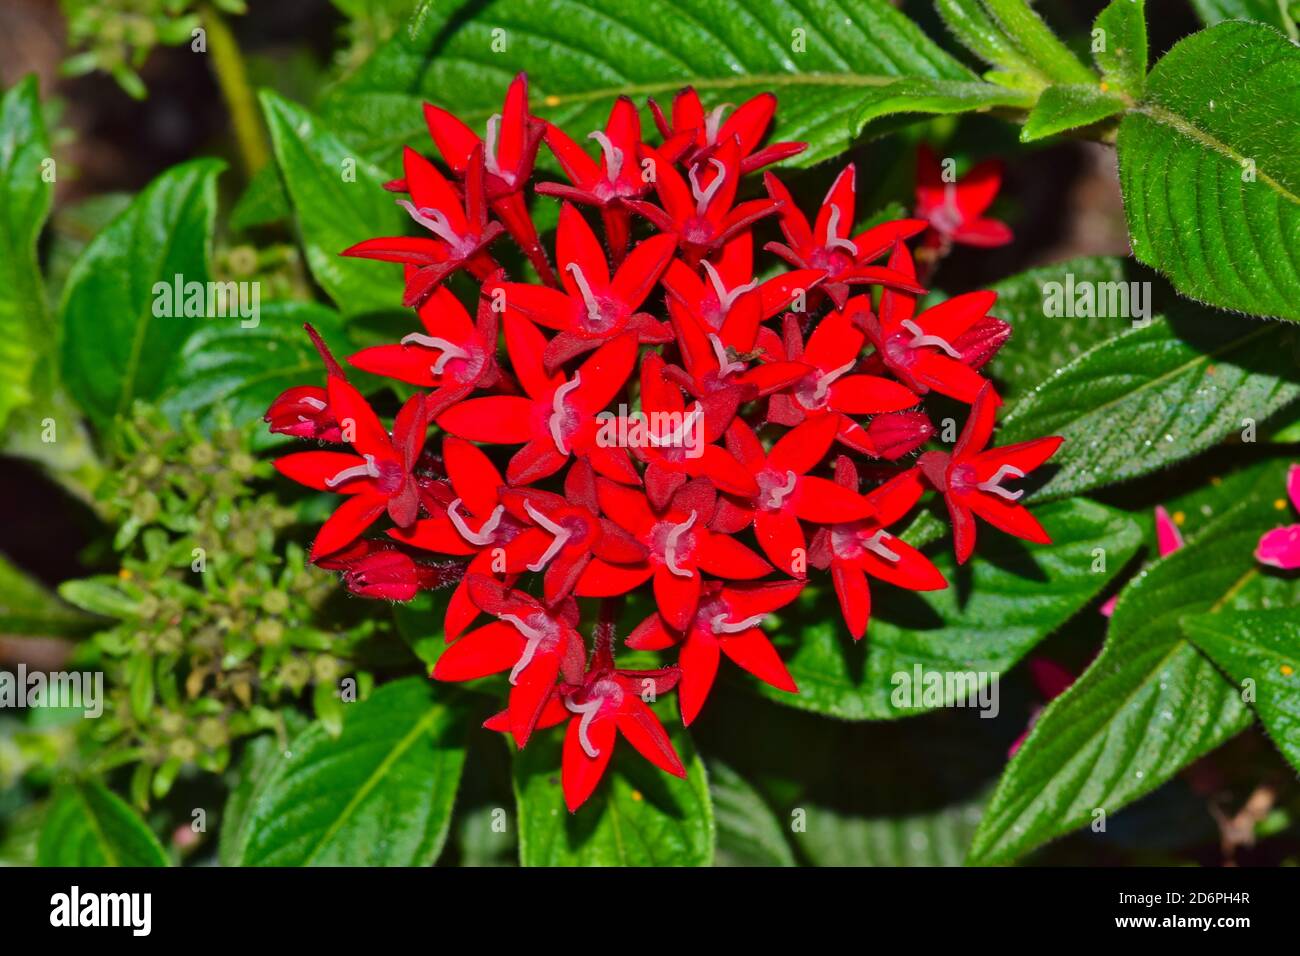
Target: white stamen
{"x":315,"y":403}
{"x":919,"y":338}
{"x":876,"y":544}
{"x":593,"y":307}
{"x":368,"y":470}
{"x":713,"y":122}
{"x":562,"y":534}
{"x":558,"y":412}
{"x":720,"y":624}
{"x":613,"y":155}
{"x":725,"y":365}
{"x":777,"y":495}
{"x":484,"y":534}
{"x":705,"y":196}
{"x":674,"y":437}
{"x":490,"y":150}
{"x":450,"y":350}
{"x":670,"y":547}
{"x":834,"y":241}
{"x":432,"y":219}
{"x":725,"y":298}
{"x":993,"y":485}
{"x":828,"y":378}
{"x":588,"y":711}
{"x":534,"y":638}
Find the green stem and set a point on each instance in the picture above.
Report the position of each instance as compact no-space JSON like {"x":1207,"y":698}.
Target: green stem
{"x":232,"y":77}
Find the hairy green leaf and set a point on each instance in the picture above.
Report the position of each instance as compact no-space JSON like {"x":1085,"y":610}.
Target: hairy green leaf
{"x":1151,"y":703}
{"x":1062,"y":108}
{"x":379,"y":794}
{"x":638,"y":816}
{"x":995,"y":609}
{"x":822,"y":60}
{"x":1156,"y":395}
{"x":1207,"y":166}
{"x":1262,"y":647}
{"x":120,"y":339}
{"x":89,"y":825}
{"x":338,"y":200}
{"x":1122,"y":58}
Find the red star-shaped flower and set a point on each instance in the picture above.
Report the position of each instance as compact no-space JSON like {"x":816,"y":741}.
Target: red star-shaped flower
{"x":955,"y":210}
{"x":854,"y":550}
{"x":377,"y":478}
{"x":973,"y":479}
{"x":727,"y":622}
{"x":704,"y":132}
{"x":303,"y":411}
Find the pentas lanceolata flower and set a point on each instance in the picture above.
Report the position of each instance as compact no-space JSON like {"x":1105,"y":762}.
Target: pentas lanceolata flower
{"x":652,"y":419}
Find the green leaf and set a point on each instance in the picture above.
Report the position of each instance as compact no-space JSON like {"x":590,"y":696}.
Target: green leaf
{"x":25,"y":196}
{"x":263,"y":202}
{"x":225,"y":366}
{"x":937,"y":97}
{"x":822,"y":60}
{"x":115,"y":349}
{"x":338,"y":200}
{"x":1207,"y":167}
{"x":749,"y":833}
{"x":101,"y":595}
{"x":971,"y":24}
{"x":88,"y":825}
{"x":25,"y":327}
{"x":1156,"y":395}
{"x":380,"y":794}
{"x":995,"y":609}
{"x":1041,"y":343}
{"x":1277,"y":13}
{"x":1062,"y":108}
{"x":28,"y":608}
{"x":1123,"y":57}
{"x":638,"y":816}
{"x":1263,"y":647}
{"x":1036,"y":41}
{"x":1150,"y":704}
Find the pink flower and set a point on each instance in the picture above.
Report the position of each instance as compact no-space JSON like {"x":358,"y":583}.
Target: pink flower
{"x":1280,"y":548}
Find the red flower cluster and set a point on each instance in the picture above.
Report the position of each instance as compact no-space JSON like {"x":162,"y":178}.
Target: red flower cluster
{"x":646,"y":447}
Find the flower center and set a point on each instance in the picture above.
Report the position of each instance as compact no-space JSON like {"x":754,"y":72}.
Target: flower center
{"x":920,"y":338}
{"x":994,"y":485}
{"x":725,"y":298}
{"x":713,"y":122}
{"x":602,"y":313}
{"x":437,"y":223}
{"x":537,"y":628}
{"x":774,"y":488}
{"x":836,"y":241}
{"x":675,"y":549}
{"x":813,"y":390}
{"x":613,"y":155}
{"x":560,"y":532}
{"x":603,"y":695}
{"x":368,"y":470}
{"x":485,"y":534}
{"x":561,"y":420}
{"x":450,"y":350}
{"x":704,"y":195}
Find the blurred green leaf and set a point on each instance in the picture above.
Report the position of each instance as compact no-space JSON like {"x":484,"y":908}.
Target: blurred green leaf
{"x":28,"y":608}
{"x":749,"y":833}
{"x":88,"y":825}
{"x":25,"y":194}
{"x":1276,"y":13}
